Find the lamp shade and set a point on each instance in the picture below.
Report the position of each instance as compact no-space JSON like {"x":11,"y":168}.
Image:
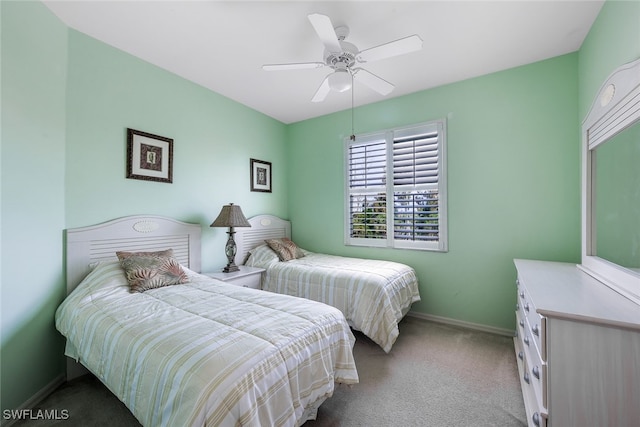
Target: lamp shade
{"x":230,"y":216}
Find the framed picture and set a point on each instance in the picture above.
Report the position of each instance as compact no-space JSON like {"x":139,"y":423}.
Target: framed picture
{"x":260,"y":176}
{"x":149,"y":157}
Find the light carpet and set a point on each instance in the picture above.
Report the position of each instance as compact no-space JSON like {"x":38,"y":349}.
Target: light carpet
{"x":435,"y":375}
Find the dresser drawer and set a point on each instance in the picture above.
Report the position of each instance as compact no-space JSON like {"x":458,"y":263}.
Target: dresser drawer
{"x":247,"y":277}
{"x":252,"y":281}
{"x":589,"y":342}
{"x":538,"y":375}
{"x":537,"y":323}
{"x":537,"y":370}
{"x":536,"y":414}
{"x":530,"y":336}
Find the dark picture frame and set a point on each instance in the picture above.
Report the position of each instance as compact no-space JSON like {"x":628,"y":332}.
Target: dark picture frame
{"x":260,"y":176}
{"x":149,"y":157}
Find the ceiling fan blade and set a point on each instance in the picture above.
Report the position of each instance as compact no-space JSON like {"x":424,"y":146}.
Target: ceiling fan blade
{"x":394,"y":48}
{"x":322,"y":91}
{"x":293,"y":66}
{"x":374,"y":82}
{"x":323,"y":26}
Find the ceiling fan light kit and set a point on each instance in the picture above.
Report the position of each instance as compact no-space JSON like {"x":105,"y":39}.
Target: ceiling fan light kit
{"x":342,"y":56}
{"x":340,"y":80}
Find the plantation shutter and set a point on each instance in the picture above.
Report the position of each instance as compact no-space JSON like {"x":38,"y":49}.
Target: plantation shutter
{"x":367,"y":197}
{"x":395,"y":190}
{"x":415,"y":160}
{"x":415,"y":187}
{"x":367,"y":165}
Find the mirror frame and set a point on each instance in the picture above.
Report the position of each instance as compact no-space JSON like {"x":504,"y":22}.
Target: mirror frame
{"x":615,"y":108}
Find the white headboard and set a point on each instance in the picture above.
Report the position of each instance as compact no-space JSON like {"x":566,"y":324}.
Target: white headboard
{"x":262,"y":227}
{"x":100,"y":242}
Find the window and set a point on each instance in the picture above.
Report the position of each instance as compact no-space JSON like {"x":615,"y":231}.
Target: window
{"x":395,"y":188}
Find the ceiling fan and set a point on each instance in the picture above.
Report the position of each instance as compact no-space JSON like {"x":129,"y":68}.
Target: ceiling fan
{"x":343,"y":57}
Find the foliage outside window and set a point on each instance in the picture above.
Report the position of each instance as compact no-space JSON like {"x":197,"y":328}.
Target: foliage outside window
{"x":396,"y":189}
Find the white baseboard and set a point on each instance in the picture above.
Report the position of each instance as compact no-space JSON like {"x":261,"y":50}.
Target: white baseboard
{"x":37,"y":398}
{"x":463,"y":324}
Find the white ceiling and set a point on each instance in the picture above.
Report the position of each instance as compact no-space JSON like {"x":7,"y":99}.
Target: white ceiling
{"x":222,"y":45}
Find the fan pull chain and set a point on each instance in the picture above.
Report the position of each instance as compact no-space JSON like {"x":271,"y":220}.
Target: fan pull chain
{"x":353,"y":133}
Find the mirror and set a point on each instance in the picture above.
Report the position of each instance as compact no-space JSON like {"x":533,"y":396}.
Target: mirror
{"x":611,"y":183}
{"x":616,"y":195}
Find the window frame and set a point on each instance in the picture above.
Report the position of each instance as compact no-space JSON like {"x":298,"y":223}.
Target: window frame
{"x":388,"y":136}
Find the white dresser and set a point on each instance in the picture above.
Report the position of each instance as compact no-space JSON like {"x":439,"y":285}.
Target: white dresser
{"x":578,"y":348}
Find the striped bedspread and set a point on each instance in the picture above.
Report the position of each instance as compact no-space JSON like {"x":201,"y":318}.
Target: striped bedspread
{"x":373,"y":295}
{"x":207,"y":353}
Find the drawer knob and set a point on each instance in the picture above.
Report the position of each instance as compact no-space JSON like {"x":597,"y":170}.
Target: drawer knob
{"x":536,"y":418}
{"x":526,"y":340}
{"x":535,"y":330}
{"x":521,"y":355}
{"x":526,"y":306}
{"x":526,"y":377}
{"x":522,"y":323}
{"x":521,"y":294}
{"x":536,"y":372}
{"x":517,"y":307}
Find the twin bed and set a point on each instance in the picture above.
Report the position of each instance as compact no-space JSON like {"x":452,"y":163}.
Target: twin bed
{"x":374,"y":295}
{"x":204,"y":352}
{"x":197,"y":353}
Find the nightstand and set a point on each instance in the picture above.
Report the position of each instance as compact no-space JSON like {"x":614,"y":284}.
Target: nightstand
{"x":248,"y":277}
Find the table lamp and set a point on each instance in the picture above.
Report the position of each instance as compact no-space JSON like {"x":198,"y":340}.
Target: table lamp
{"x":230,"y":216}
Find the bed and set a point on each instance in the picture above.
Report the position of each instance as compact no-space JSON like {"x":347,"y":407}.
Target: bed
{"x":373,"y":295}
{"x":201,"y":352}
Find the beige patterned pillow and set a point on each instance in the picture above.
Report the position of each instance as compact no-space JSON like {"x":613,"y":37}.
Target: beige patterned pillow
{"x":150,"y":270}
{"x":285,"y":248}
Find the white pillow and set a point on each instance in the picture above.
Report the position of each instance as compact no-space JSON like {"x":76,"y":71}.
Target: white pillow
{"x":105,"y":275}
{"x":262,"y":257}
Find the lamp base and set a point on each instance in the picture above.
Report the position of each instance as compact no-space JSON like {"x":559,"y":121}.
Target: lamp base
{"x":230,"y":252}
{"x":230,"y":268}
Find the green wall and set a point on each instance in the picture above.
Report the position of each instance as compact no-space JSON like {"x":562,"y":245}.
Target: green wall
{"x":109,"y":91}
{"x":33,"y":192}
{"x":513,"y":184}
{"x":513,"y":171}
{"x":68,"y":99}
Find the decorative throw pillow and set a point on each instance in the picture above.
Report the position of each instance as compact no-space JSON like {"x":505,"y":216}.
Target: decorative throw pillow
{"x":150,"y":270}
{"x":285,"y":248}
